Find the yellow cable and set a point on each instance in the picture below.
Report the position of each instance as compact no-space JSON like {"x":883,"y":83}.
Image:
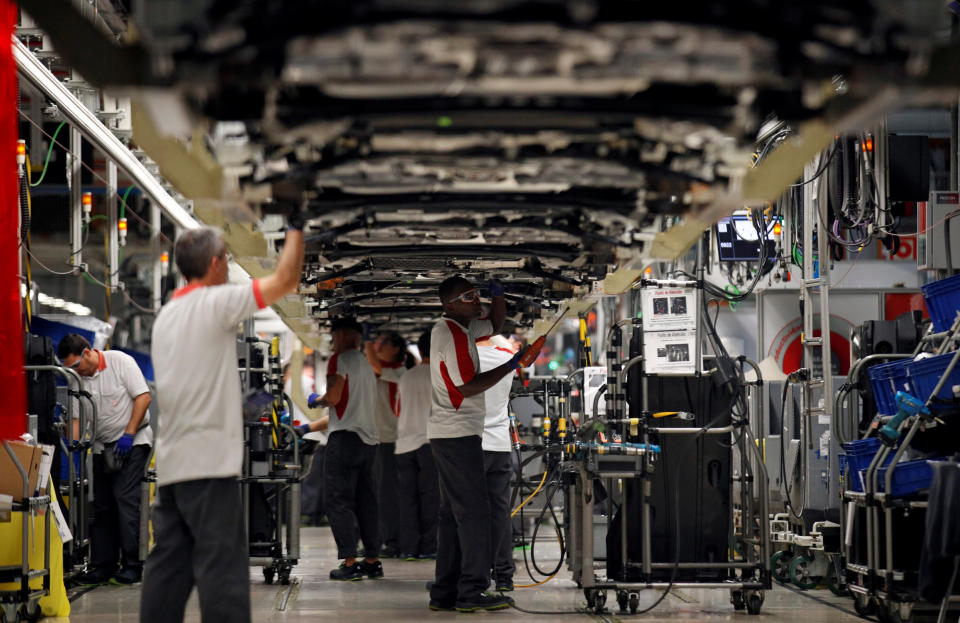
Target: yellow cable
{"x":535,"y":491}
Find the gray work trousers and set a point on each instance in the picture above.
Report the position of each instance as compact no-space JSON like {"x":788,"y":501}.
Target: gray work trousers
{"x":463,"y":529}
{"x":499,"y":470}
{"x":115,"y":533}
{"x":200,"y":541}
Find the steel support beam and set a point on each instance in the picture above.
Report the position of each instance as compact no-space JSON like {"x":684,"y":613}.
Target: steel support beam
{"x":31,"y":69}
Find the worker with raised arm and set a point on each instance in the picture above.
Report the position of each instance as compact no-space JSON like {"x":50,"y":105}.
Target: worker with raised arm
{"x":455,"y":428}
{"x":198,"y":516}
{"x":349,"y":489}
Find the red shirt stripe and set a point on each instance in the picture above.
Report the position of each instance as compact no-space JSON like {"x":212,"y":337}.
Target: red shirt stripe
{"x":462,"y":346}
{"x":456,"y":398}
{"x":258,"y":297}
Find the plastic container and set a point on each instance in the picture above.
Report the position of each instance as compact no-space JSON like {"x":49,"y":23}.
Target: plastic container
{"x":926,"y":373}
{"x":943,"y":301}
{"x":887,"y":379}
{"x":858,"y":455}
{"x":909,"y":477}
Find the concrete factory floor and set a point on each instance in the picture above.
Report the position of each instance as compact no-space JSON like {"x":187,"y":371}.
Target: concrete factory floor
{"x":401,"y":597}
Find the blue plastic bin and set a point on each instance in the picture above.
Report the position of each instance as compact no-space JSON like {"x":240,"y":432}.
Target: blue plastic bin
{"x":858,"y":455}
{"x":943,"y":301}
{"x":887,"y":379}
{"x":926,"y":373}
{"x":909,"y":477}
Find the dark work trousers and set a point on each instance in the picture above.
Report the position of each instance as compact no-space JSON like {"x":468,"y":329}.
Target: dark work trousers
{"x":419,"y":502}
{"x":499,"y":469}
{"x":200,"y":541}
{"x":115,"y":535}
{"x":350,"y":494}
{"x":387,"y":493}
{"x":311,"y":488}
{"x":463,"y":532}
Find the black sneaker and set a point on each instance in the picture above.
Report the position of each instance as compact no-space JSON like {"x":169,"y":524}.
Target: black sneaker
{"x":504,"y":585}
{"x":483,"y":601}
{"x":373,"y":570}
{"x":389,"y":551}
{"x":96,"y":577}
{"x":125,"y":577}
{"x":442,"y":605}
{"x":343,"y":573}
{"x":432,"y":556}
{"x":407,"y":557}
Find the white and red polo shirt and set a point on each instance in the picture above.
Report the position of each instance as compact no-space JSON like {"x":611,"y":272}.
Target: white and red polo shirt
{"x":387,"y":397}
{"x":496,"y":424}
{"x":453,"y":362}
{"x":355,"y":411}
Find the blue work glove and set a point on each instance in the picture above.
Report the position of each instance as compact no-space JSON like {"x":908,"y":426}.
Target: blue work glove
{"x":495,"y":288}
{"x":302,"y":430}
{"x":313,"y":399}
{"x":515,"y":360}
{"x":123,"y":446}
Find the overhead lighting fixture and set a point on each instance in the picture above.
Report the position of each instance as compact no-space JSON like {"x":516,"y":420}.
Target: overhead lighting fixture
{"x":58,"y":303}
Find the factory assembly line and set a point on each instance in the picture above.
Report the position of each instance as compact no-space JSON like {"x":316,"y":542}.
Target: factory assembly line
{"x":561,"y":308}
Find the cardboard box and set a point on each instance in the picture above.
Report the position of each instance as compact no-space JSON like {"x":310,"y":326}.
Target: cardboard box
{"x":29,"y":457}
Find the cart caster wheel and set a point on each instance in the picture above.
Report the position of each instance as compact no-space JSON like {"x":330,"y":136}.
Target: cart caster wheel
{"x":754,"y":603}
{"x":780,"y":566}
{"x":800,"y":575}
{"x":600,"y":601}
{"x":883,"y":615}
{"x":590,"y":596}
{"x":634,"y":603}
{"x":268,"y":575}
{"x":284,"y":576}
{"x":622,"y":599}
{"x":8,"y":613}
{"x":30,"y":612}
{"x":736,"y":598}
{"x":864,"y":606}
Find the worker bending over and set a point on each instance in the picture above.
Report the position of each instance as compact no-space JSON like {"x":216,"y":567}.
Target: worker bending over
{"x":198,"y":517}
{"x":497,"y":464}
{"x":120,"y":453}
{"x":419,"y":491}
{"x":350,"y":495}
{"x":389,"y":358}
{"x":455,"y":428}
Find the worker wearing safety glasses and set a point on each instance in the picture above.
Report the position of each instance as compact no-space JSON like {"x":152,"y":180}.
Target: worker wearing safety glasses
{"x":455,"y":428}
{"x":120,"y":453}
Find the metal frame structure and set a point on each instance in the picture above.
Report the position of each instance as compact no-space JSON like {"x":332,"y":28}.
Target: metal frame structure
{"x":748,"y":579}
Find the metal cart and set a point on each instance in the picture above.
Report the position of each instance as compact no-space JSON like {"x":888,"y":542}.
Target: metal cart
{"x":885,"y":527}
{"x":272,"y":470}
{"x":24,"y":602}
{"x":77,"y":492}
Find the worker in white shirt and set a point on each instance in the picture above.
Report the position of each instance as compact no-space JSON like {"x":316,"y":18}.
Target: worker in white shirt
{"x":455,"y":428}
{"x":350,"y":494}
{"x":311,"y":485}
{"x":390,"y":359}
{"x":120,"y":453}
{"x":198,"y":517}
{"x":419,"y":492}
{"x":497,"y":462}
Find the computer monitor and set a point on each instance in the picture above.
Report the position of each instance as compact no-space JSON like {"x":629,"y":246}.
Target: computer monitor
{"x":738,"y":239}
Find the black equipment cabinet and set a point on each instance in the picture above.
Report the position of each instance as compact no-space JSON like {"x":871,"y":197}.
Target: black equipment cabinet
{"x":691,"y":483}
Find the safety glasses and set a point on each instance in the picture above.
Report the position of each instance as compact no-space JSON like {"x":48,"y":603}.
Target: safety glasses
{"x":76,"y":364}
{"x":467,"y":297}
